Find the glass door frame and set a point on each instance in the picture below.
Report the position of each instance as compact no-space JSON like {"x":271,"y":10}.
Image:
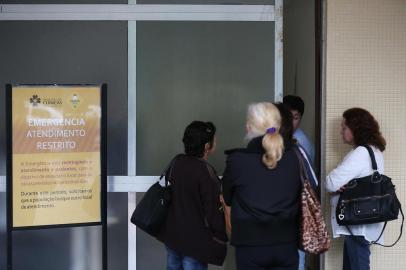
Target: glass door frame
{"x":131,"y":183}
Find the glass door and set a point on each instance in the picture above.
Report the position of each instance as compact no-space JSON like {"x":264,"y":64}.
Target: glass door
{"x":166,"y":65}
{"x":187,"y":71}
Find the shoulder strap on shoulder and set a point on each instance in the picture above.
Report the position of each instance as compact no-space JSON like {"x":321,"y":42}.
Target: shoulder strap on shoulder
{"x":169,"y":168}
{"x":303,"y":172}
{"x":372,"y":156}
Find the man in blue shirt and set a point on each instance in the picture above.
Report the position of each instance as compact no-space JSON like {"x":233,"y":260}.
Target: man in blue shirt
{"x":296,"y":106}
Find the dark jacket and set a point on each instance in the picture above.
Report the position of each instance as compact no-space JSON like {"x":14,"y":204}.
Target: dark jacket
{"x":195,"y":224}
{"x":265,"y":202}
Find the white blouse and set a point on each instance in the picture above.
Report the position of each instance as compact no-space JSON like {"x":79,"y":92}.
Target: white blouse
{"x":355,"y":164}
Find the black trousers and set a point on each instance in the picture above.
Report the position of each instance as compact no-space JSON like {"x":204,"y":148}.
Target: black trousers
{"x":276,"y":257}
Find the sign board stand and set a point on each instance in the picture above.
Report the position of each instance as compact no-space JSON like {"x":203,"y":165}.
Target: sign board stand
{"x":56,"y":159}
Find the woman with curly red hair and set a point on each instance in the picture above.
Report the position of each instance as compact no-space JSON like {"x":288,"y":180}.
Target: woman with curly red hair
{"x":358,"y":128}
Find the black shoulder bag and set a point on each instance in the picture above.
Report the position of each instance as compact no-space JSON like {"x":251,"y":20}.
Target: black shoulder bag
{"x":369,"y":199}
{"x":150,"y":213}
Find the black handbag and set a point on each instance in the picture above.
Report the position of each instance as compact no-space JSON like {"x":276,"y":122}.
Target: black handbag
{"x":369,"y":199}
{"x":150,"y":213}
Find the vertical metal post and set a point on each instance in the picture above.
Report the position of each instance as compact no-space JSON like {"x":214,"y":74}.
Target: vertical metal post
{"x":278,"y":51}
{"x":9,"y":180}
{"x":132,"y":154}
{"x":103,"y":168}
{"x":323,"y":66}
{"x":9,"y":241}
{"x":132,"y":233}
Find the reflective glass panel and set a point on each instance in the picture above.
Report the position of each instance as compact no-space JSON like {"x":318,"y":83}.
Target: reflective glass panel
{"x":207,"y":71}
{"x":69,"y":248}
{"x":189,"y":71}
{"x":70,"y":53}
{"x":64,"y":2}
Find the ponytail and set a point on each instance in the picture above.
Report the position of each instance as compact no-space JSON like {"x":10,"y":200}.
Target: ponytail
{"x":273,"y":145}
{"x":264,"y":118}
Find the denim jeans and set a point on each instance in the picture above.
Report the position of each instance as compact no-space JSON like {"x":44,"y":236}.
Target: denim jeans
{"x":302,"y":259}
{"x":356,"y":253}
{"x":177,"y":261}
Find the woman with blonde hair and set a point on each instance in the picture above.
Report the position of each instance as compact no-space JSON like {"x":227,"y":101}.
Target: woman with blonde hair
{"x":262,"y":184}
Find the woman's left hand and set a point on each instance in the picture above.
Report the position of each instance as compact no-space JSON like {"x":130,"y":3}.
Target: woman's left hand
{"x":341,"y":189}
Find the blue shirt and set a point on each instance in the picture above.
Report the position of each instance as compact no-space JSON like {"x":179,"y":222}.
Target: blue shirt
{"x":305,"y":143}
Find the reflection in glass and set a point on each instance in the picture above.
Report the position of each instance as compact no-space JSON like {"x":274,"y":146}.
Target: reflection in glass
{"x":73,"y":52}
{"x":64,"y":2}
{"x":189,"y":71}
{"x":207,"y":71}
{"x":76,"y":248}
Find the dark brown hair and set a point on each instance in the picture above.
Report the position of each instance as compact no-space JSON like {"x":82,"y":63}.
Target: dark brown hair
{"x":286,"y":129}
{"x":364,"y":127}
{"x":294,"y":103}
{"x":196,"y":135}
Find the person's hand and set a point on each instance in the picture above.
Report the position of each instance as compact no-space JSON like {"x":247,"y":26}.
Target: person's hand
{"x":341,"y":189}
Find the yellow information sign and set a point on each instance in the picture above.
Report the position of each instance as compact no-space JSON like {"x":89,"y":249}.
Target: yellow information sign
{"x":56,"y":142}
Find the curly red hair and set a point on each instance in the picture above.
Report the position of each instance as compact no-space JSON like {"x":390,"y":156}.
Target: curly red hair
{"x":364,"y":127}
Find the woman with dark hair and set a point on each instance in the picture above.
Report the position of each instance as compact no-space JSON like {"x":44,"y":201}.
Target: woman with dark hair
{"x":194,"y":231}
{"x":358,"y":128}
{"x":262,"y":185}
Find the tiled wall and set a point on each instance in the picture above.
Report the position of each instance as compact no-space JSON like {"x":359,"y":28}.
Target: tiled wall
{"x":366,"y":67}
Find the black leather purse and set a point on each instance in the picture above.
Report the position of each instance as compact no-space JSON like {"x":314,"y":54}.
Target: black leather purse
{"x":150,"y":213}
{"x":369,"y":199}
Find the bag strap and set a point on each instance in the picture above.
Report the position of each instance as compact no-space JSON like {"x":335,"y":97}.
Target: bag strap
{"x":384,"y":226}
{"x":171,"y":165}
{"x":303,"y":172}
{"x":372,"y":156}
{"x":212,"y":171}
{"x":170,"y":168}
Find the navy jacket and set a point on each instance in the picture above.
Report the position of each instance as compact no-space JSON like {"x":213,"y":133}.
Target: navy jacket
{"x":264,"y":202}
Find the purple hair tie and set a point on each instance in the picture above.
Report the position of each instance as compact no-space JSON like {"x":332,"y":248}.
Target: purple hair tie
{"x":271,"y":130}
